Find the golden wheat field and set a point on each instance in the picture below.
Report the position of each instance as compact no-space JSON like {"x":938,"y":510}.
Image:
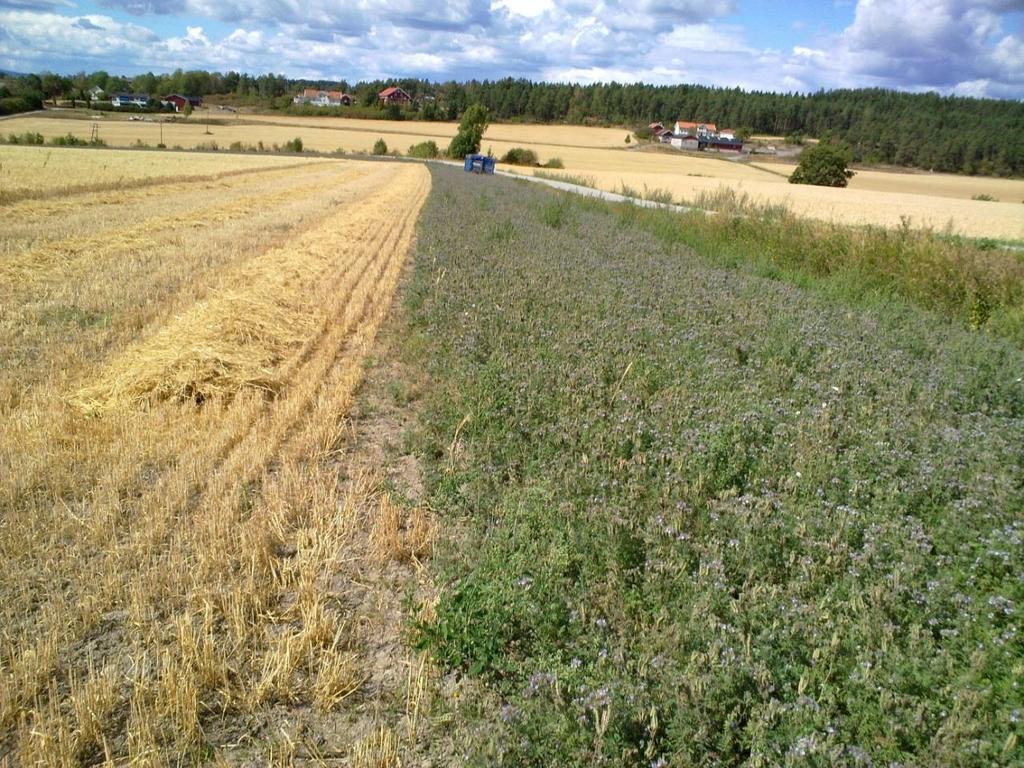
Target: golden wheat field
{"x":180,"y":358}
{"x":937,"y":201}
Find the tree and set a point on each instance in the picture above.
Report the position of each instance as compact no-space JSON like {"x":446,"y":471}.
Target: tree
{"x":823,"y":165}
{"x":187,"y":109}
{"x":471,"y":132}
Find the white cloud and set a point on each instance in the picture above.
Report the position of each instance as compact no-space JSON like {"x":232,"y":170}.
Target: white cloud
{"x":956,"y":46}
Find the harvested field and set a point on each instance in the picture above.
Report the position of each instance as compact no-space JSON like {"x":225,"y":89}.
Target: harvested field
{"x":178,"y":545}
{"x":34,"y":172}
{"x":936,"y":201}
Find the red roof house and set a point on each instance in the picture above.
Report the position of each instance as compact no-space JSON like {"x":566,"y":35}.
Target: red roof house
{"x":394,"y":95}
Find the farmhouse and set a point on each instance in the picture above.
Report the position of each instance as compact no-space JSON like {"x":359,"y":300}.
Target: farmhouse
{"x":129,"y":100}
{"x":317,"y":98}
{"x":394,"y":95}
{"x":701,"y":130}
{"x":178,"y":102}
{"x":96,"y":93}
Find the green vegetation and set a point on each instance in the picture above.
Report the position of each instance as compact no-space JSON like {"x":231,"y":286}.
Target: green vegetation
{"x":985,"y":198}
{"x":471,"y":131}
{"x":70,"y":140}
{"x":295,"y":145}
{"x":520,"y":156}
{"x":823,"y":165}
{"x":700,"y":517}
{"x":969,"y":282}
{"x":28,"y":137}
{"x":568,"y":178}
{"x":554,"y":162}
{"x":942,"y":133}
{"x":426,"y":150}
{"x":380,"y":147}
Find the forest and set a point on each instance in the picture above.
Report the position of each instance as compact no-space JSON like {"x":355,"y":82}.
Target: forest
{"x":923,"y":130}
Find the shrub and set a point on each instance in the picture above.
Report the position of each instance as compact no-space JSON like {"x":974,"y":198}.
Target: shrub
{"x":520,"y":156}
{"x":471,"y":132}
{"x":25,"y":138}
{"x":985,"y":198}
{"x":295,"y":145}
{"x":424,"y":150}
{"x":554,"y":162}
{"x":380,"y":147}
{"x":824,"y":166}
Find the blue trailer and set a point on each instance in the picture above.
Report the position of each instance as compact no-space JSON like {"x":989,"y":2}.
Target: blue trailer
{"x":479,"y":164}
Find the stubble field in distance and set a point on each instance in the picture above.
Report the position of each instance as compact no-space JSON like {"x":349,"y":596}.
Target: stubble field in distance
{"x":937,"y":201}
{"x":180,"y":357}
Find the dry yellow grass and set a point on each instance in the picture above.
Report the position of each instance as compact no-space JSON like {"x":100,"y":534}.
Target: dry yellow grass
{"x":167,"y":563}
{"x":937,"y":201}
{"x":36,"y":171}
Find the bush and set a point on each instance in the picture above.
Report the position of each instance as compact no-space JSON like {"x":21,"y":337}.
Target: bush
{"x":25,"y":138}
{"x":424,"y":150}
{"x":70,"y":140}
{"x":554,"y":162}
{"x":12,"y":105}
{"x":471,"y":132}
{"x":985,"y":198}
{"x":823,"y":165}
{"x":295,"y":145}
{"x":380,"y":147}
{"x":520,"y":156}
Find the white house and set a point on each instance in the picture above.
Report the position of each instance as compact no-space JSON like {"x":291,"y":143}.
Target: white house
{"x":703,"y":130}
{"x":129,"y":100}
{"x":317,"y":98}
{"x":96,"y":93}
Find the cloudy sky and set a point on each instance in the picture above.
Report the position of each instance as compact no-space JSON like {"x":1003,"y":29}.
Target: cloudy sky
{"x":970,"y":47}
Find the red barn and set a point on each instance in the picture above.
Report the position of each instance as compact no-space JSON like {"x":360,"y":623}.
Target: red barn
{"x":394,"y":95}
{"x":178,"y":101}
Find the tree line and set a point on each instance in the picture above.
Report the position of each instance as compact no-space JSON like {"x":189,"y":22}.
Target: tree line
{"x":924,"y":130}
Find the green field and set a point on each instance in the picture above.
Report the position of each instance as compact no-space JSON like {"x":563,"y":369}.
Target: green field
{"x":695,"y":515}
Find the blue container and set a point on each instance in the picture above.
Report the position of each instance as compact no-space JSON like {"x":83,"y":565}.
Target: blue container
{"x":479,"y":164}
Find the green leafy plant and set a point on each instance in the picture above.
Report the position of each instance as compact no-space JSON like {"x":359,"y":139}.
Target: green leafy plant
{"x":520,"y":156}
{"x":471,"y":132}
{"x":425,"y":150}
{"x":824,"y":165}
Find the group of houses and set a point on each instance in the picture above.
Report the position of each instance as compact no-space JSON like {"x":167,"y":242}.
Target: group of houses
{"x":697,"y":136}
{"x":174,"y":101}
{"x":314,"y":97}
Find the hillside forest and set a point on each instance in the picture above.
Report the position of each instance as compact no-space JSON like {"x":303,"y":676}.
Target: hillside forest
{"x":951,"y":134}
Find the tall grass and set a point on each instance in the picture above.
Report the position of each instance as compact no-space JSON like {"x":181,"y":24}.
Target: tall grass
{"x":961,"y":279}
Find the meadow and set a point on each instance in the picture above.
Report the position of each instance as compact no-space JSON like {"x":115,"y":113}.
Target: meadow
{"x":941,"y":202}
{"x":695,"y":512}
{"x":179,"y":539}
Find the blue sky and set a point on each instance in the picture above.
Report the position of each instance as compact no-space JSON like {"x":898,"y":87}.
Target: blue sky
{"x":969,"y":47}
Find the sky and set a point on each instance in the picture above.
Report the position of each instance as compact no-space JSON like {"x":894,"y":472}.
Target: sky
{"x":965,"y":47}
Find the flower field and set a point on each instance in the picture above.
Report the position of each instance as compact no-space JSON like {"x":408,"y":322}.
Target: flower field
{"x":697,"y":516}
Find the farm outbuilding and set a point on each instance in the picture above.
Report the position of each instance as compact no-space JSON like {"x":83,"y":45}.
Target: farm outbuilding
{"x":178,"y":102}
